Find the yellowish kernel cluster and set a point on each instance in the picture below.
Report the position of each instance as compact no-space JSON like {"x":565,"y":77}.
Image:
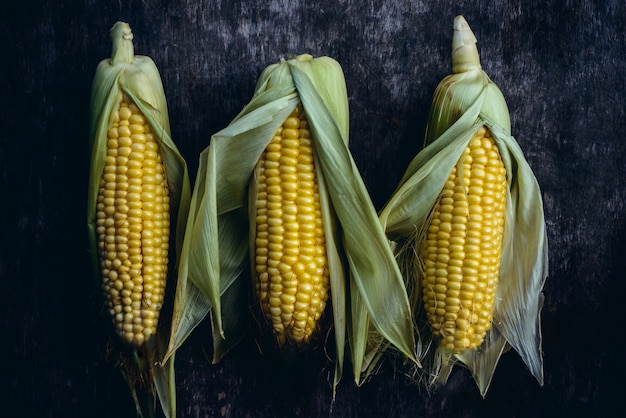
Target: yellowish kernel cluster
{"x":291,"y":279}
{"x":133,"y":225}
{"x":463,"y":246}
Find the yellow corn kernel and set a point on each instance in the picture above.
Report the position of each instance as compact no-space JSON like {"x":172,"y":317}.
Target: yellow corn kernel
{"x":464,"y":249}
{"x":290,"y":277}
{"x":133,"y":226}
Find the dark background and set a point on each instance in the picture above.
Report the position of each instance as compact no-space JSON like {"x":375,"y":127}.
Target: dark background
{"x":559,"y":64}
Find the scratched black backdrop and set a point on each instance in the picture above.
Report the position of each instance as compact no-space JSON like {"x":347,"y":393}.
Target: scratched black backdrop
{"x":559,"y":64}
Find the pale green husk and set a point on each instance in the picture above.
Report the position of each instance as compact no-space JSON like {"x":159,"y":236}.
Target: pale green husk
{"x":462,"y":103}
{"x":215,"y":262}
{"x":138,"y":77}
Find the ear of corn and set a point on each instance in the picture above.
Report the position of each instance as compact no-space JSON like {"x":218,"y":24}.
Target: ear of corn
{"x":138,"y":189}
{"x":263,"y":172}
{"x":468,"y":222}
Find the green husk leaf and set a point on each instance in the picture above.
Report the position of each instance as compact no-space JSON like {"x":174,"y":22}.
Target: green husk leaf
{"x":374,"y":274}
{"x":165,"y":384}
{"x":462,"y":103}
{"x":138,"y":77}
{"x":337,"y":276}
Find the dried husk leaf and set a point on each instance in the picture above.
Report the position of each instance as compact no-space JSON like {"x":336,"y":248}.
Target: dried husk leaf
{"x":462,"y":103}
{"x":138,"y":77}
{"x":215,"y":255}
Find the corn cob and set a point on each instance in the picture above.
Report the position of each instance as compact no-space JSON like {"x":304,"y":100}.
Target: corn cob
{"x":133,"y":225}
{"x":463,"y":246}
{"x":291,"y":279}
{"x":138,"y":182}
{"x":283,"y":169}
{"x":468,"y":228}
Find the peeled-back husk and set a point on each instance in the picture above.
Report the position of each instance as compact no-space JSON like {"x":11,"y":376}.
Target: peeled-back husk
{"x":462,"y":103}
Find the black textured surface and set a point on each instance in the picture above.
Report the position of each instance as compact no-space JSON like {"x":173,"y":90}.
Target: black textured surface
{"x":559,"y":64}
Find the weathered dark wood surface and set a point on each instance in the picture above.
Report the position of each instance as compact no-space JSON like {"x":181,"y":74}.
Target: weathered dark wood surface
{"x":559,"y":63}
